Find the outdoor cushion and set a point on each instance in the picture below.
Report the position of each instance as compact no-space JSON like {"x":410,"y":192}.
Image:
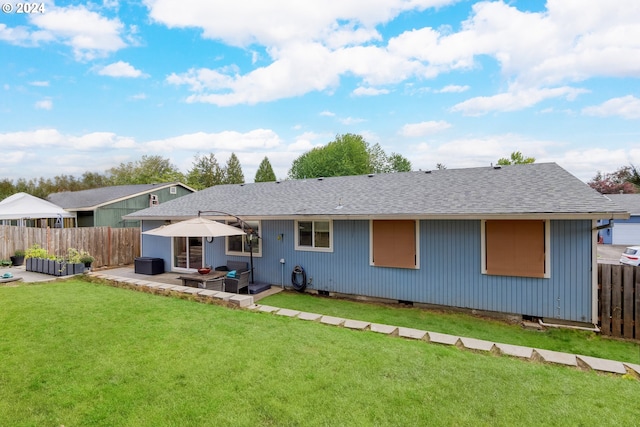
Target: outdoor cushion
{"x":231,"y":274}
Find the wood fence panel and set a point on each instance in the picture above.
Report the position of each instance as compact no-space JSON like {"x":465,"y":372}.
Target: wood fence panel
{"x":627,"y":301}
{"x":616,"y":300}
{"x":619,"y":301}
{"x":109,"y":246}
{"x":605,"y":298}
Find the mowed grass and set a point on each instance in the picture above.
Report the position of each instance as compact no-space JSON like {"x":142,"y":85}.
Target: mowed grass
{"x":83,"y":354}
{"x":464,"y":325}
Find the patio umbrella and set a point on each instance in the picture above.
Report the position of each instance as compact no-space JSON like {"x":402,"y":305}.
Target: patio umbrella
{"x":195,"y":227}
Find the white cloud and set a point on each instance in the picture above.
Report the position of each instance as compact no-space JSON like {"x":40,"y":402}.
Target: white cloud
{"x":424,"y":128}
{"x":516,"y":99}
{"x":39,"y":83}
{"x":312,"y":46}
{"x":88,"y":33}
{"x":52,"y":138}
{"x":228,"y":140}
{"x":627,"y":107}
{"x":453,"y":89}
{"x":279,"y":22}
{"x":44,"y":104}
{"x":369,"y":91}
{"x":120,"y":69}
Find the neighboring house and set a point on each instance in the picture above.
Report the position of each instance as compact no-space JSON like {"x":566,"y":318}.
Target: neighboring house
{"x":623,"y":232}
{"x":106,"y":206}
{"x":517,"y":239}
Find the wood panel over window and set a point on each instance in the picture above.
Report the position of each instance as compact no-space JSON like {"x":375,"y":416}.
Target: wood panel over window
{"x":515,"y":247}
{"x":394,"y":243}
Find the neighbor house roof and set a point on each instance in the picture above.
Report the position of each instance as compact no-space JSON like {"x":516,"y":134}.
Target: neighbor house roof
{"x":628,"y":202}
{"x":23,"y":205}
{"x":534,"y":190}
{"x":96,"y":197}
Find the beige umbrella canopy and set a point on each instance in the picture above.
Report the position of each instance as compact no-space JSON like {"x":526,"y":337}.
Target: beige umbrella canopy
{"x":195,"y":227}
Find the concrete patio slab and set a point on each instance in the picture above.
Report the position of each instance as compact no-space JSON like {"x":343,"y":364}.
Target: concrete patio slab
{"x":446,"y":339}
{"x":356,"y":324}
{"x":476,"y":344}
{"x":330,"y":320}
{"x":309,"y":316}
{"x":555,"y":357}
{"x":602,"y":365}
{"x":384,"y":329}
{"x":515,"y":350}
{"x":287,"y":313}
{"x":414,"y":334}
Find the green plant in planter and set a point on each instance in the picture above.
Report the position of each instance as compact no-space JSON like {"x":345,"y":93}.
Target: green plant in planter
{"x":86,"y":258}
{"x":18,"y":257}
{"x":36,"y":251}
{"x":5,"y":263}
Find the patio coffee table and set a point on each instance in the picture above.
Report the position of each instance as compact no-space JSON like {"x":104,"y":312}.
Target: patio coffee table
{"x":204,"y":281}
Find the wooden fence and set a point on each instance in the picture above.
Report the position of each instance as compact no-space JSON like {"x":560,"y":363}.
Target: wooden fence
{"x":109,"y":246}
{"x":619,"y":300}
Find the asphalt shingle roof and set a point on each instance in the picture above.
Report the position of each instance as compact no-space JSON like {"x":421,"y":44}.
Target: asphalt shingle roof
{"x":542,"y":188}
{"x":99,"y":196}
{"x":628,"y":202}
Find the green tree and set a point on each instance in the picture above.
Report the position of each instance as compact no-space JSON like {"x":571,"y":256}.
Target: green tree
{"x":399,"y":163}
{"x":516,"y":159}
{"x":6,"y":188}
{"x":205,"y":173}
{"x":147,"y":170}
{"x":233,"y":171}
{"x":349,"y":154}
{"x":265,"y":172}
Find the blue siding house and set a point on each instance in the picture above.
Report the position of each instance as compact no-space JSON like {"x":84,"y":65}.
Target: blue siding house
{"x":623,"y":232}
{"x":516,"y":239}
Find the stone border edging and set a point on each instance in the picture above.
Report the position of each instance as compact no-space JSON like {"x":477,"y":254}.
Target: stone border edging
{"x":521,"y":352}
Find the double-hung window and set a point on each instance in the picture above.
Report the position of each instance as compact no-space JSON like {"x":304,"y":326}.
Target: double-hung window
{"x":314,"y":235}
{"x":244,"y":244}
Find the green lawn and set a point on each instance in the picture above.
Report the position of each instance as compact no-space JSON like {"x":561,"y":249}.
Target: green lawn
{"x":464,"y":325}
{"x":82,"y":354}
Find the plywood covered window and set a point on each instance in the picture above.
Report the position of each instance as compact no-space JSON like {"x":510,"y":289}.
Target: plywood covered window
{"x":516,"y":248}
{"x":393,"y":243}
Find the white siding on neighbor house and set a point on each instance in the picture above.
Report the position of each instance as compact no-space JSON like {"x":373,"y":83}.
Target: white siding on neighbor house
{"x":626,"y":233}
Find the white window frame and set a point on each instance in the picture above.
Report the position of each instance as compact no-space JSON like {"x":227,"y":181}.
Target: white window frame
{"x":243,"y":252}
{"x":312,"y":248}
{"x":547,"y":247}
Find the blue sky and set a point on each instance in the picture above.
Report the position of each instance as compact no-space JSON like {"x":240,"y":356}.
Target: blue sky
{"x":85,"y":86}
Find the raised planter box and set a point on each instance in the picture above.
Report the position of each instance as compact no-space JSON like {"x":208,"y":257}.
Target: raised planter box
{"x":53,"y":267}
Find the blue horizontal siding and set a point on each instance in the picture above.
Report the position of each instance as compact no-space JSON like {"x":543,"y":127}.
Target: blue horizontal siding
{"x":450,"y":270}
